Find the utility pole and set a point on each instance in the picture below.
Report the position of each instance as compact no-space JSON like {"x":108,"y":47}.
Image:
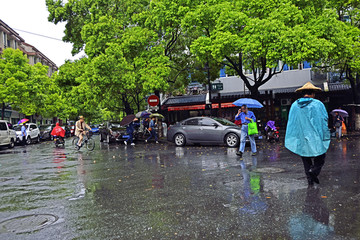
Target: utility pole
{"x":207,"y":67}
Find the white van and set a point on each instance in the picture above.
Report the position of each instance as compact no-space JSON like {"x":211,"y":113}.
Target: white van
{"x":7,"y":134}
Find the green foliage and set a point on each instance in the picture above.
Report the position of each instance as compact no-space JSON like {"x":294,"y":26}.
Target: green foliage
{"x":26,"y":88}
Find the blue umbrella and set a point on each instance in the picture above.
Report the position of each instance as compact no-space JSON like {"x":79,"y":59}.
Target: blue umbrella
{"x":145,"y":114}
{"x":249,"y":102}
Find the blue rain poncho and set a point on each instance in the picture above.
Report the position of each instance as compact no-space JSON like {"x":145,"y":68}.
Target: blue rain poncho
{"x":307,"y":132}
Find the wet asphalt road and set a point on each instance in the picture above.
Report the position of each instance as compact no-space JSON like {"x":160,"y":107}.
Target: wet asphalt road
{"x":165,"y":192}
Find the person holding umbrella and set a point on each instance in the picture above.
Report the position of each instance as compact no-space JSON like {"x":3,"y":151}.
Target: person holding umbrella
{"x":152,"y":130}
{"x":245,"y":116}
{"x":338,"y":120}
{"x":307,"y":133}
{"x":23,"y":133}
{"x":130,"y":130}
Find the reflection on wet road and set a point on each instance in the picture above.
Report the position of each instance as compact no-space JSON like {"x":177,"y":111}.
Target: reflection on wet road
{"x":165,"y":192}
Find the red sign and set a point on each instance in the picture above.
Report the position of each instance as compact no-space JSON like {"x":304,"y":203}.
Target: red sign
{"x":153,"y":100}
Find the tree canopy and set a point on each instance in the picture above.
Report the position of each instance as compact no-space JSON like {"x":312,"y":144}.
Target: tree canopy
{"x":137,"y":47}
{"x":25,"y":87}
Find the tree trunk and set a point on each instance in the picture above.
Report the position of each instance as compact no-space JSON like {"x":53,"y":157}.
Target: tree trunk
{"x":3,"y":111}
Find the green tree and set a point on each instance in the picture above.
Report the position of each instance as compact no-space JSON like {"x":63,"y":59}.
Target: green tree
{"x":124,"y":62}
{"x":257,"y":35}
{"x":345,"y":34}
{"x":25,"y":87}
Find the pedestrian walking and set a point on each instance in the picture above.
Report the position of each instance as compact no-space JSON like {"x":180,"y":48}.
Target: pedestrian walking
{"x":152,"y":126}
{"x":245,"y":116}
{"x":307,"y":133}
{"x":24,"y":134}
{"x":338,"y":123}
{"x":130,"y":131}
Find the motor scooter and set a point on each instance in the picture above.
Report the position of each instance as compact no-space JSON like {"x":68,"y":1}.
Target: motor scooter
{"x":272,"y":132}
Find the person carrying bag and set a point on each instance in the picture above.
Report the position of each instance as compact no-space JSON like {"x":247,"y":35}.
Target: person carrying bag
{"x":248,"y":129}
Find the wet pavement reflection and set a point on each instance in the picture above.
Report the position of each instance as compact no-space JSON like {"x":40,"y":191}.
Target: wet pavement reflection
{"x":159,"y":191}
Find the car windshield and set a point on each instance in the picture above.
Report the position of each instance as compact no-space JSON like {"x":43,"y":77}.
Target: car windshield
{"x":115,"y":125}
{"x":224,"y":122}
{"x":17,"y":128}
{"x":45,"y":127}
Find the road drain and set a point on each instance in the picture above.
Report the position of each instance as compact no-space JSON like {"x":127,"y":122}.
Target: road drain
{"x":27,"y":223}
{"x":269,"y":170}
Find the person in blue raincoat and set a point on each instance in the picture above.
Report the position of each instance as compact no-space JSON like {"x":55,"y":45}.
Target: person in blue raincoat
{"x":307,"y":133}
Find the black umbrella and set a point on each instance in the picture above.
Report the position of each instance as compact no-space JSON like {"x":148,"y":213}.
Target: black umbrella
{"x":127,"y":120}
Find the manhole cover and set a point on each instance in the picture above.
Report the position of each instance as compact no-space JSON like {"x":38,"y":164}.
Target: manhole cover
{"x":269,"y":170}
{"x":27,"y":223}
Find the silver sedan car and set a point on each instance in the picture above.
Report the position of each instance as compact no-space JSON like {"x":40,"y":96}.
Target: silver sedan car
{"x":204,"y":130}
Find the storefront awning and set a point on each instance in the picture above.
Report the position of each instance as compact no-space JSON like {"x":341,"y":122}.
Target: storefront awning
{"x":200,"y":107}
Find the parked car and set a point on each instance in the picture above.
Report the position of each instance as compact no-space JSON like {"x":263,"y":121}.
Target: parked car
{"x":71,"y":125}
{"x":33,"y":133}
{"x":112,"y":132}
{"x":204,"y":130}
{"x":195,"y":86}
{"x":45,"y":131}
{"x":7,"y":134}
{"x":94,"y":128}
{"x":67,"y":130}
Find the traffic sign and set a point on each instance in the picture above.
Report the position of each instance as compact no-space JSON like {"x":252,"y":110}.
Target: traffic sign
{"x":217,"y":86}
{"x":153,"y":100}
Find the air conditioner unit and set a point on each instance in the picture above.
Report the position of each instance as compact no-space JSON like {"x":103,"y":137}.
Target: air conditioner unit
{"x":285,"y":102}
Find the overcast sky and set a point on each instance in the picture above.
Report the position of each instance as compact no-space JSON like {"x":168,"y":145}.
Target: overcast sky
{"x":31,"y":16}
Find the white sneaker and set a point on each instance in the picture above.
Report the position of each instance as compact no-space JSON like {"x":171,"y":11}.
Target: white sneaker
{"x":146,"y":141}
{"x":157,"y":142}
{"x":133,"y":144}
{"x":125,"y":142}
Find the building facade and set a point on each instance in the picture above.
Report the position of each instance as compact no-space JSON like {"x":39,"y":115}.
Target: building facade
{"x":277,"y":95}
{"x":9,"y":38}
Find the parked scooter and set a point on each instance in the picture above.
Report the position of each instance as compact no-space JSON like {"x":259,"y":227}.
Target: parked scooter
{"x":272,"y":132}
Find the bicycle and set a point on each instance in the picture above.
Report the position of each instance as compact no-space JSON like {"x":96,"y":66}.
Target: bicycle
{"x":87,"y":140}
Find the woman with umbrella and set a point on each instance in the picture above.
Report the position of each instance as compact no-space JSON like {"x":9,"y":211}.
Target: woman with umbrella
{"x":339,"y":115}
{"x":338,"y":120}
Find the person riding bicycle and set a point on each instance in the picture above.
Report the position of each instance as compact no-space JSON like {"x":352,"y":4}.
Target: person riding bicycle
{"x":80,"y":129}
{"x":58,"y":131}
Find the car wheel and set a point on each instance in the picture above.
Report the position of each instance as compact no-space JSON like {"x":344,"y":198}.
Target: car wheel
{"x":12,"y":144}
{"x":231,"y":140}
{"x":28,"y":141}
{"x":38,"y":139}
{"x":179,"y":139}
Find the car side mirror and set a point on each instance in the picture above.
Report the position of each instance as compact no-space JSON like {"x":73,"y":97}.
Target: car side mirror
{"x":215,"y":125}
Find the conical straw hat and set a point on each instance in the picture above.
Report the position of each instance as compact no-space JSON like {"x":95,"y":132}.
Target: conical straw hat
{"x":308,"y":86}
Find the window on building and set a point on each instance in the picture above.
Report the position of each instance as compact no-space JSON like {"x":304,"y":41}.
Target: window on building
{"x":8,"y":43}
{"x":15,"y":44}
{"x":4,"y":39}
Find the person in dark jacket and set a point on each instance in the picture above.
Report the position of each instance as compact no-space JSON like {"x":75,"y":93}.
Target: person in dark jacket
{"x":152,"y":126}
{"x":130,"y":131}
{"x":338,"y":124}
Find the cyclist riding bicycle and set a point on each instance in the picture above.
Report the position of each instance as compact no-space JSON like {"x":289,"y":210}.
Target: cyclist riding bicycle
{"x":80,"y":129}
